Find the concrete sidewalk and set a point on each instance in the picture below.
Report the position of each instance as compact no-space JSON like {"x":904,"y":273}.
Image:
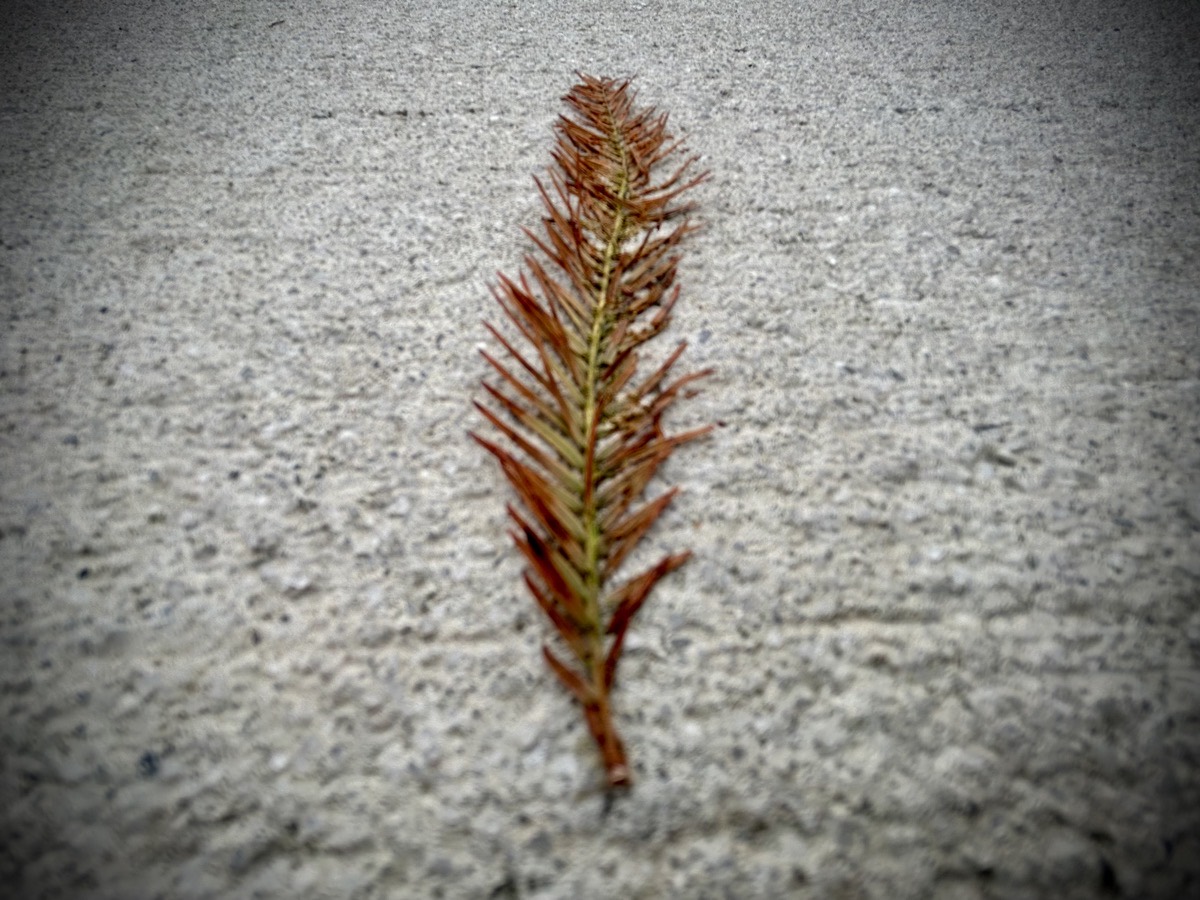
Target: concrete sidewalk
{"x":263,"y":633}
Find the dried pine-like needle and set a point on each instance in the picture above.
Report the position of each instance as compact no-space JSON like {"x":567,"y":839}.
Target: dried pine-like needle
{"x":581,"y":432}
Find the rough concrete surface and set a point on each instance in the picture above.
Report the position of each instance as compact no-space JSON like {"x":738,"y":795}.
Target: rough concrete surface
{"x":263,"y":632}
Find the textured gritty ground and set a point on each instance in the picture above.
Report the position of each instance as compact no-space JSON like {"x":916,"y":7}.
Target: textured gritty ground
{"x":262,"y":632}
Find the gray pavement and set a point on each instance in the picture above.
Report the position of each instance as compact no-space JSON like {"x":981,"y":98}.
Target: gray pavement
{"x":263,"y":633}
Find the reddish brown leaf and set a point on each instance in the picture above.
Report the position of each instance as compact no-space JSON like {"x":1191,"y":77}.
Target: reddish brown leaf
{"x":580,"y":434}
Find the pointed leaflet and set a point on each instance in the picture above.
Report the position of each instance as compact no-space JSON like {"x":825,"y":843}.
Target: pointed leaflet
{"x":628,"y":601}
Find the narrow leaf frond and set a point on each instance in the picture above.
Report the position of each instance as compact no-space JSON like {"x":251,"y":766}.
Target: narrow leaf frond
{"x":579,"y":432}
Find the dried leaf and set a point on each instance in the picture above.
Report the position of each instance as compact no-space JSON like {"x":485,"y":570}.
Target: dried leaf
{"x":585,"y":431}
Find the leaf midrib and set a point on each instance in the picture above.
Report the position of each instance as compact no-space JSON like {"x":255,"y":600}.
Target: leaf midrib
{"x":600,"y":313}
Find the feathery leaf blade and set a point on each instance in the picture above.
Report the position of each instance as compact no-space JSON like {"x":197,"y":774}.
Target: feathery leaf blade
{"x":581,"y":429}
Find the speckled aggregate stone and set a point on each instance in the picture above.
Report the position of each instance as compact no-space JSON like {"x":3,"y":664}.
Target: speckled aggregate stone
{"x":263,"y":634}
